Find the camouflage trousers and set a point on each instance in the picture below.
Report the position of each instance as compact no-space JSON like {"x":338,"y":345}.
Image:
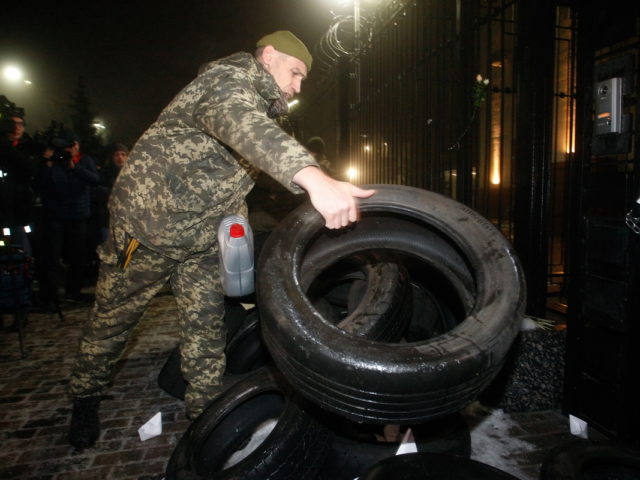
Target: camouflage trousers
{"x":121,"y":298}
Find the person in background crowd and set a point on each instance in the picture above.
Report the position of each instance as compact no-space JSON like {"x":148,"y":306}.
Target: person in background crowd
{"x":116,"y":157}
{"x":317,"y":148}
{"x":17,"y":168}
{"x":184,"y":175}
{"x":43,"y":301}
{"x":64,"y":183}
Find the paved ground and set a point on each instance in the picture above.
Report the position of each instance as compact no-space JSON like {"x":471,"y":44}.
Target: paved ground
{"x":34,"y":410}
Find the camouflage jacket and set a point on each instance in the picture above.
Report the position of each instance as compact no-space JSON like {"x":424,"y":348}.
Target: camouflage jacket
{"x":187,"y":170}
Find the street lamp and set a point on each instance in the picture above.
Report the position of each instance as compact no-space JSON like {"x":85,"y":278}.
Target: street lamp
{"x":100,"y":128}
{"x":14,"y":74}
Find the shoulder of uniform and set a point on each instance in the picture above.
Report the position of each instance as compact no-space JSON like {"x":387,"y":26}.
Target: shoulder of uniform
{"x":240,"y":61}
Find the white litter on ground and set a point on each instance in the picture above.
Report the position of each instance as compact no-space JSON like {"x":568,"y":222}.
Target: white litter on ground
{"x":152,"y":428}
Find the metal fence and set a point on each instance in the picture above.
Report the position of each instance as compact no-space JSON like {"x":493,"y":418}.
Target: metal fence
{"x":421,"y":112}
{"x":405,"y":101}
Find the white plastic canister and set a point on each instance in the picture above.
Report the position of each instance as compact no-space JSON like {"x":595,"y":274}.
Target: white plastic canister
{"x":235,"y":240}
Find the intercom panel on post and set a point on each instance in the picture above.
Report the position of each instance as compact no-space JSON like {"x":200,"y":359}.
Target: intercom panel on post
{"x":609,"y":106}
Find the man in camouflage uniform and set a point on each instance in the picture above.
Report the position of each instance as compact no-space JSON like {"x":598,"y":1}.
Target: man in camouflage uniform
{"x":187,"y":172}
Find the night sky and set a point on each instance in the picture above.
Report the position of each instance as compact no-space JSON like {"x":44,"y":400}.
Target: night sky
{"x":133,"y":56}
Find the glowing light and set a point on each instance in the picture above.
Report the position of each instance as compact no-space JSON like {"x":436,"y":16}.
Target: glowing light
{"x":367,"y":148}
{"x":495,"y":170}
{"x":99,"y":125}
{"x":12,"y":73}
{"x":352,"y":173}
{"x":28,"y":82}
{"x":495,"y":174}
{"x":293,"y":103}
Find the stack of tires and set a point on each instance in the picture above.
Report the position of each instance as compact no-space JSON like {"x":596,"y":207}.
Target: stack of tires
{"x":399,"y":320}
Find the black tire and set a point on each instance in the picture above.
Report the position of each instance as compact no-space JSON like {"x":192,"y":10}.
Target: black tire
{"x":449,"y":434}
{"x":349,"y":457}
{"x":295,"y":448}
{"x":376,"y":295}
{"x":245,"y":351}
{"x":170,"y":378}
{"x":586,"y":460}
{"x":358,"y":446}
{"x":377,"y":305}
{"x":430,"y":317}
{"x":235,"y":315}
{"x":426,"y":466}
{"x":378,"y":382}
{"x":382,"y":297}
{"x":370,"y":237}
{"x":379,"y":309}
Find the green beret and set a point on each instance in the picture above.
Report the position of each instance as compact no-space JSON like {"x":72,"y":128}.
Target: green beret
{"x":286,"y":42}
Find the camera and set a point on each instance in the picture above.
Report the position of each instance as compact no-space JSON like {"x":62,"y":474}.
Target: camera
{"x":60,"y":157}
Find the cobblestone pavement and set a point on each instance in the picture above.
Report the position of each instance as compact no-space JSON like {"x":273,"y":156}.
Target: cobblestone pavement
{"x":34,"y":409}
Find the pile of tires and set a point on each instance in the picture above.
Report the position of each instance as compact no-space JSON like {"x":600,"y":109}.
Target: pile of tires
{"x":401,"y":319}
{"x":464,"y":258}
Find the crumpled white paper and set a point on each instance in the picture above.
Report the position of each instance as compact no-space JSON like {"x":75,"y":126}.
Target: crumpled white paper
{"x":152,"y":428}
{"x":578,"y":427}
{"x":408,"y":444}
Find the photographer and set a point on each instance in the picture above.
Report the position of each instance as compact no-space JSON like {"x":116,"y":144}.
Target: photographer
{"x":64,"y":183}
{"x":17,"y":168}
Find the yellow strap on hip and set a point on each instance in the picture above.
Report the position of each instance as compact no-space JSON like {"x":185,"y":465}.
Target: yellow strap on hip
{"x":128,"y":252}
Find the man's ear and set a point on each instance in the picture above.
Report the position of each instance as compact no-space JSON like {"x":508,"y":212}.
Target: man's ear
{"x":267,"y":54}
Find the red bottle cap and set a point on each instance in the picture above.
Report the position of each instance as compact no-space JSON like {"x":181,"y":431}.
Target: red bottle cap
{"x":236,"y":230}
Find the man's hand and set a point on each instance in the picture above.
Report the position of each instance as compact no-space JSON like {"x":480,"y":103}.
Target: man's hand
{"x":334,"y":200}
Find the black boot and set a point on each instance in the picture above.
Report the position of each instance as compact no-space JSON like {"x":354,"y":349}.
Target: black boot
{"x":85,"y":423}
